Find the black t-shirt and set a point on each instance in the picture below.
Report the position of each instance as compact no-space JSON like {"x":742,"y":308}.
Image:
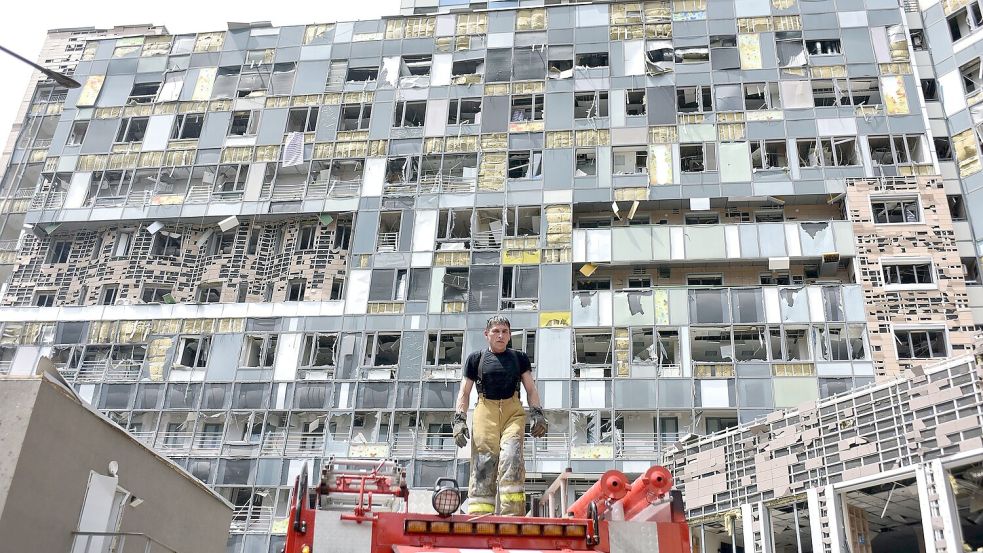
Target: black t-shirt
{"x":500,"y":374}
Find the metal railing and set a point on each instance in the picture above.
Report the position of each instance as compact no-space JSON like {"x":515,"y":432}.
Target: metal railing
{"x":550,"y":446}
{"x":643,"y":445}
{"x":273,"y":442}
{"x":252,"y":519}
{"x":487,"y":240}
{"x":433,"y":184}
{"x":208,"y":442}
{"x":8,"y":245}
{"x":388,"y":241}
{"x":5,"y":367}
{"x":48,"y":200}
{"x":304,"y":444}
{"x":436,"y":444}
{"x":146,"y":437}
{"x":174,"y":442}
{"x":116,"y":542}
{"x":288,"y":191}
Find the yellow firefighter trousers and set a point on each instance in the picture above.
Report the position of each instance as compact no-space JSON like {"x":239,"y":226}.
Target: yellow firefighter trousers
{"x":496,"y":457}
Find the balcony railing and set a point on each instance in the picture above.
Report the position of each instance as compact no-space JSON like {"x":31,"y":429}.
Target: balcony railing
{"x":273,"y":442}
{"x":48,"y":200}
{"x":388,"y":241}
{"x":304,"y":444}
{"x":5,"y":367}
{"x":644,"y":446}
{"x":174,"y":442}
{"x":103,"y":542}
{"x":551,"y":446}
{"x":208,"y":442}
{"x":251,"y":519}
{"x":433,"y":184}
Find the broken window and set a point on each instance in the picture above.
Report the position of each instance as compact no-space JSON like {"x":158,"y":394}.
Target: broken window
{"x":143,"y":93}
{"x":525,"y":164}
{"x":402,"y":169}
{"x":698,"y":158}
{"x":453,"y":224}
{"x":527,"y":107}
{"x":560,"y":62}
{"x":209,"y":293}
{"x":865,"y":92}
{"x":965,"y":21}
{"x":769,"y":154}
{"x":389,"y":225}
{"x":166,"y":244}
{"x":943,"y":147}
{"x":244,"y":123}
{"x":520,"y":287}
{"x":318,"y":350}
{"x":224,"y":85}
{"x":750,"y":344}
{"x":693,"y":54}
{"x":108,"y":293}
{"x":747,"y":305}
{"x":156,"y":294}
{"x":630,"y":161}
{"x":522,"y":221}
{"x":823,"y":47}
{"x":416,"y":65}
{"x":193,"y":351}
{"x":796,"y":345}
{"x":702,"y":218}
{"x":307,"y":238}
{"x":635,"y":102}
{"x":259,"y":350}
{"x":229,"y":179}
{"x":586,"y":162}
{"x":44,"y":298}
{"x":711,"y":345}
{"x":828,"y":152}
{"x":388,"y":285}
{"x":77,"y":134}
{"x":907,"y":273}
{"x":463,"y":68}
{"x":828,"y":92}
{"x":704,"y":280}
{"x":902,"y":210}
{"x":464,"y":111}
{"x":883,"y":152}
{"x":591,"y":60}
{"x":296,"y":288}
{"x":455,"y":285}
{"x":362,"y":74}
{"x":587,"y":105}
{"x":972,"y":75}
{"x":930,"y":89}
{"x":761,"y":96}
{"x":381,"y":350}
{"x":132,"y":129}
{"x":920,"y":344}
{"x":58,"y":251}
{"x":121,"y":247}
{"x":691,"y":99}
{"x":187,"y":126}
{"x":302,"y":119}
{"x":355,"y":117}
{"x":592,"y":347}
{"x":592,"y":284}
{"x":444,"y":347}
{"x":450,"y":170}
{"x":410,"y":113}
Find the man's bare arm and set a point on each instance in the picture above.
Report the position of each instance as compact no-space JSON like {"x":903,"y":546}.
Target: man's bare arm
{"x":532,"y":394}
{"x":463,"y":395}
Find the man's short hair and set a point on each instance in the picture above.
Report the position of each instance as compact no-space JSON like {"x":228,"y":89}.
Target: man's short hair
{"x":497,"y":320}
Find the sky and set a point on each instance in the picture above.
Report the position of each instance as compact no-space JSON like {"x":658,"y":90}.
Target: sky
{"x":23,"y":30}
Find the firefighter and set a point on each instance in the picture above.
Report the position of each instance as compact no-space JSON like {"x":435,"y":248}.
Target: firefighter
{"x":499,"y":421}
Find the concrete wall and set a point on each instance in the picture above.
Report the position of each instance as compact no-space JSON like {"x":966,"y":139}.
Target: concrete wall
{"x":65,"y":440}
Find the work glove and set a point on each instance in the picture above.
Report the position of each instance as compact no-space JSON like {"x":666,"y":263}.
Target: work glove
{"x":461,"y":434}
{"x":539,"y":425}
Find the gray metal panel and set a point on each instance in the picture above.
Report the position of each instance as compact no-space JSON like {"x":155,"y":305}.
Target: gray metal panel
{"x":501,"y":21}
{"x":558,"y":110}
{"x":215,"y":129}
{"x":856,"y":44}
{"x":311,"y":76}
{"x":272,"y":126}
{"x":382,"y":120}
{"x":555,"y":282}
{"x":100,"y":135}
{"x":495,"y":114}
{"x":327,"y":123}
{"x":115,"y":90}
{"x":188,"y":88}
{"x":291,"y":36}
{"x":558,"y":167}
{"x":660,"y":105}
{"x":123,"y":66}
{"x":363,"y":235}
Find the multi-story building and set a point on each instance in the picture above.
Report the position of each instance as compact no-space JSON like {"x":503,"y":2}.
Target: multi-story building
{"x":61,"y":51}
{"x":264,"y":245}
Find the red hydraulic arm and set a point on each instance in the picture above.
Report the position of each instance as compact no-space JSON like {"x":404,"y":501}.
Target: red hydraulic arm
{"x":612,"y":485}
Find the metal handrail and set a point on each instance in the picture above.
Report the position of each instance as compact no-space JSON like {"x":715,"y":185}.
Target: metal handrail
{"x":388,"y":241}
{"x":118,"y":542}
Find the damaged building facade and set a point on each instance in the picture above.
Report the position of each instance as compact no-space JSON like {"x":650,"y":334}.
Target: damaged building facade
{"x":265,"y":245}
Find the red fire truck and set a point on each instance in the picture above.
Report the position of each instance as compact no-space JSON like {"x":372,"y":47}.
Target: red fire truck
{"x":362,"y":506}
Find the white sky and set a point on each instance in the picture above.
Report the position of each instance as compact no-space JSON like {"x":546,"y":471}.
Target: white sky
{"x":24,"y":24}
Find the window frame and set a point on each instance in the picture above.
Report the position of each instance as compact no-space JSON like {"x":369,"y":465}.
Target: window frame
{"x":902,"y":199}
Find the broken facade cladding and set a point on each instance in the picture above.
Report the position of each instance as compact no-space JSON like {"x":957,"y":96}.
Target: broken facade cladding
{"x":259,"y":246}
